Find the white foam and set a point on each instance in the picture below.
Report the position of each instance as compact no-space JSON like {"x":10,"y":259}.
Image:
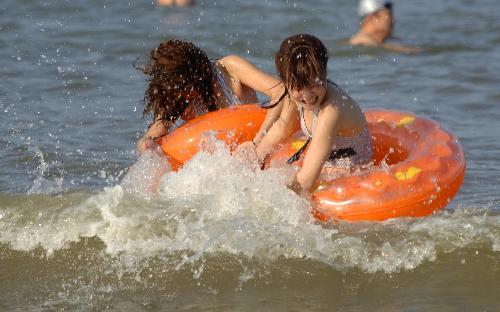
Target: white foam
{"x":143,"y":177}
{"x":217,"y":205}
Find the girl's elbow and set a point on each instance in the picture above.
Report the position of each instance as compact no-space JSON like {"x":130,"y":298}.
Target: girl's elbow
{"x":232,"y":61}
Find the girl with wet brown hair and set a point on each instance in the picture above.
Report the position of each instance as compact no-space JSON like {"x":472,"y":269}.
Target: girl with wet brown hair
{"x":333,"y":122}
{"x":184,"y":84}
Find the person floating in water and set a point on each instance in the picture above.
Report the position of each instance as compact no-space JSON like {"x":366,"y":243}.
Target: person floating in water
{"x":176,"y":2}
{"x":376,"y":27}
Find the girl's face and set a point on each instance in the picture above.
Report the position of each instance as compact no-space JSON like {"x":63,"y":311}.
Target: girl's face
{"x":310,"y":97}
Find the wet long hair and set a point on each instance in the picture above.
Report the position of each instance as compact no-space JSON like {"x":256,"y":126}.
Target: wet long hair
{"x":179,"y":74}
{"x":301,"y":60}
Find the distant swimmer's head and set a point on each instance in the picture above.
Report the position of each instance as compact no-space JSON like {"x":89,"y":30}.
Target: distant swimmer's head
{"x":180,"y":76}
{"x":378,"y":20}
{"x":371,"y":6}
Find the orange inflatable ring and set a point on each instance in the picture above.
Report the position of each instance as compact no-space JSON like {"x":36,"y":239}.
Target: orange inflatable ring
{"x":233,"y":125}
{"x":418,"y":166}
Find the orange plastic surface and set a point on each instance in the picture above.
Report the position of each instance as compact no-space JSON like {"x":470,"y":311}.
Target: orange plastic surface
{"x":418,"y":166}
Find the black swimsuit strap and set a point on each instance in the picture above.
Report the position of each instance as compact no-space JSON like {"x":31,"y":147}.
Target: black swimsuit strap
{"x":332,"y":83}
{"x":298,"y":153}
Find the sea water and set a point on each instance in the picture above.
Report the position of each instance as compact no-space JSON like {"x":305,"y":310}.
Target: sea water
{"x":87,"y":225}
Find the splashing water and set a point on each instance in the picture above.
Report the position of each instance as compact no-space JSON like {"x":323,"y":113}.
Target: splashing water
{"x":216,"y":205}
{"x":41,"y":185}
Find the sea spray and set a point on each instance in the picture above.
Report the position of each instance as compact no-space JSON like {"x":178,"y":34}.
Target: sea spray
{"x":218,"y":207}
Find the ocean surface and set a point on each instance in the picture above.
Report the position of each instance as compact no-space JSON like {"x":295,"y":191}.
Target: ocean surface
{"x":78,"y":233}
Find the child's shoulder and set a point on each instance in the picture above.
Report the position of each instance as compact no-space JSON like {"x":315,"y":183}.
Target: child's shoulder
{"x":338,"y":97}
